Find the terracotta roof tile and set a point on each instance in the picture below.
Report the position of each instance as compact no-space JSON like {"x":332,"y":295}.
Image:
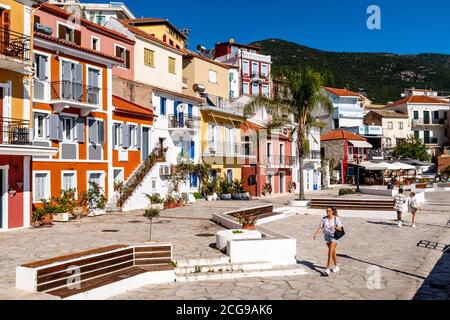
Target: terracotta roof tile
{"x":155,"y":20}
{"x":342,"y":92}
{"x":390,"y":114}
{"x":341,"y":134}
{"x":418,"y":99}
{"x":75,"y":46}
{"x":130,"y":107}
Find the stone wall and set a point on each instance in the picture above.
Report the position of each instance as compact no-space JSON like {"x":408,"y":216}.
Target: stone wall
{"x":138,"y":93}
{"x":333,"y":151}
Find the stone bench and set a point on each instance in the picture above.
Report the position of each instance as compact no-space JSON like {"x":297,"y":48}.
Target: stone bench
{"x":100,"y":273}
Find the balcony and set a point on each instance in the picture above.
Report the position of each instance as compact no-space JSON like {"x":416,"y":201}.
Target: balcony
{"x":15,"y":131}
{"x":348,"y":112}
{"x":313,"y":155}
{"x":76,"y":95}
{"x":218,"y":104}
{"x":222,"y":148}
{"x":189,"y":123}
{"x":14,"y":51}
{"x":278,"y":161}
{"x":256,"y":57}
{"x":429,"y":122}
{"x":430,"y":141}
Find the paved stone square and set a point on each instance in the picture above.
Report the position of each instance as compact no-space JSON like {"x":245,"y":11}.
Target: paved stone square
{"x":371,"y":247}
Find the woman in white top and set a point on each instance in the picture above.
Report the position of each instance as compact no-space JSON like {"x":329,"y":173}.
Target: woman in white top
{"x":329,"y":224}
{"x":413,"y":207}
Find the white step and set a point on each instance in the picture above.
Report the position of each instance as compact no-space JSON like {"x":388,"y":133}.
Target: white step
{"x":205,"y":276}
{"x":224,"y":267}
{"x":203,"y":262}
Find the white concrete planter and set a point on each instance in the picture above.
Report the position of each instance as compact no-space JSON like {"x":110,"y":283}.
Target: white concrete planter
{"x":96,"y":212}
{"x":210,"y":198}
{"x":224,"y":236}
{"x":61,"y":217}
{"x":299,"y":203}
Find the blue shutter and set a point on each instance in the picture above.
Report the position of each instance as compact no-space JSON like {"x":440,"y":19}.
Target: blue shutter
{"x":162,"y":106}
{"x":189,"y":110}
{"x":181,"y":119}
{"x":80,"y":130}
{"x":138,"y":137}
{"x":193,"y":180}
{"x":192,"y":150}
{"x":175,"y":111}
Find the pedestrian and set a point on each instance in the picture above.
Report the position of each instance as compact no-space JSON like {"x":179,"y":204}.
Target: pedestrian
{"x":329,"y":224}
{"x":413,"y":207}
{"x":400,"y":206}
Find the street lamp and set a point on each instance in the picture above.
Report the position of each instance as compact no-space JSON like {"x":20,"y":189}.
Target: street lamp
{"x":358,"y":161}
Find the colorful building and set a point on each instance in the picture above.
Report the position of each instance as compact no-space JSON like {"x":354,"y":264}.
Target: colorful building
{"x":344,"y":149}
{"x":16,"y":151}
{"x":157,"y":85}
{"x":254,"y":77}
{"x":72,"y":107}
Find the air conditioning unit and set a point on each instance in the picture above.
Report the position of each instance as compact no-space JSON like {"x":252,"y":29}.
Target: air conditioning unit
{"x":164,"y":171}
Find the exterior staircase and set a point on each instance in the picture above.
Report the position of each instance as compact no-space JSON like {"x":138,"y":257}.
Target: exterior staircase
{"x":220,"y":268}
{"x":120,"y":197}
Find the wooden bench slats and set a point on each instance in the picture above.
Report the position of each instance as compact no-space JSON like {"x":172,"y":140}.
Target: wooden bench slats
{"x":40,"y":263}
{"x":166,"y":254}
{"x":86,"y":276}
{"x":67,"y":273}
{"x":86,"y":261}
{"x":139,"y":262}
{"x":151,"y":249}
{"x":98,"y":282}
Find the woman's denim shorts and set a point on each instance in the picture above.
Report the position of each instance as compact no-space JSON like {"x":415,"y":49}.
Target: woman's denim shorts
{"x":329,"y":238}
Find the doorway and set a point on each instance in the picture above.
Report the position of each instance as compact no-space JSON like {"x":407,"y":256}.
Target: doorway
{"x":145,"y":142}
{"x":282,"y":182}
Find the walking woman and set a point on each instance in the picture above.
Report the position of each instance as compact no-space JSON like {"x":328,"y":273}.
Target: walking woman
{"x":400,"y":206}
{"x":413,"y":207}
{"x":329,"y":225}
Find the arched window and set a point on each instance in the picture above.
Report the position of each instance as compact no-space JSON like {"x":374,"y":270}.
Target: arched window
{"x":164,"y":38}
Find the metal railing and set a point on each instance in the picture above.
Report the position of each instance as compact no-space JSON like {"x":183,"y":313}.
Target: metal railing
{"x":426,"y":122}
{"x":76,"y":92}
{"x":431,"y":140}
{"x":15,"y":131}
{"x":222,"y":148}
{"x":183,"y":122}
{"x":314,"y":155}
{"x":14,"y":44}
{"x":222,"y":103}
{"x":279,"y":160}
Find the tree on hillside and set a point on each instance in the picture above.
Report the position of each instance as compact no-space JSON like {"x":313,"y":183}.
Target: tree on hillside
{"x":297,"y":94}
{"x":412,"y":148}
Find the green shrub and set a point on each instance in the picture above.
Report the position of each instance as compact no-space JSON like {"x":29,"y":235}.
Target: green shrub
{"x":344,"y":191}
{"x":154,"y":198}
{"x":197,"y":195}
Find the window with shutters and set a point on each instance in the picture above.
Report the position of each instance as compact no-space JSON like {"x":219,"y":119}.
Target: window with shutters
{"x":117,"y":135}
{"x":149,"y":58}
{"x":41,"y":186}
{"x":172,"y":65}
{"x":96,"y":132}
{"x":96,"y":177}
{"x":69,"y":34}
{"x":69,"y":180}
{"x":71,"y":81}
{"x":41,"y":77}
{"x":95,"y":43}
{"x":123,"y":54}
{"x":162,"y":106}
{"x":68,"y":129}
{"x":40,"y":126}
{"x":93,"y":89}
{"x":133,"y":136}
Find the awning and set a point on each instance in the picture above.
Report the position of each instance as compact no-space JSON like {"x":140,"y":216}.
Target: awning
{"x":360,"y":144}
{"x":374,"y":166}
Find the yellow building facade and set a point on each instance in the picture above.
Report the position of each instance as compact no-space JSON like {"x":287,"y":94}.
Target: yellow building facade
{"x":221,"y":120}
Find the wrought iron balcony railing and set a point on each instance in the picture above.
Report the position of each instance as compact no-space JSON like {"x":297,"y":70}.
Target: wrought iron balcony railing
{"x":222,"y":148}
{"x":15,"y":131}
{"x":14,"y":44}
{"x":279,"y":160}
{"x":76,"y":92}
{"x":183,"y":122}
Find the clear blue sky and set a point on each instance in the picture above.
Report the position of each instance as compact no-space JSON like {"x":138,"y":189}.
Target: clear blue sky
{"x":407,"y":26}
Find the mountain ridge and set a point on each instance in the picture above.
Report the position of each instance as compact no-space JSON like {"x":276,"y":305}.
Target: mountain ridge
{"x":383,"y":75}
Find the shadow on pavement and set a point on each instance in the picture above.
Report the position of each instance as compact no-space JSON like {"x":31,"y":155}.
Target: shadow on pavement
{"x":380,"y":266}
{"x":437,"y":284}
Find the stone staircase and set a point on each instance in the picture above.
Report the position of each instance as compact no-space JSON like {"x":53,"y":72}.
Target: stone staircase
{"x":119,"y":198}
{"x":222,"y":268}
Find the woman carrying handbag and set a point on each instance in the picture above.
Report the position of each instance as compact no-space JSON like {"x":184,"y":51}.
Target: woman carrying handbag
{"x":333,"y":230}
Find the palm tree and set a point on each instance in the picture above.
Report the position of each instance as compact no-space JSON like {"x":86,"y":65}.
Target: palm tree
{"x":296,"y":95}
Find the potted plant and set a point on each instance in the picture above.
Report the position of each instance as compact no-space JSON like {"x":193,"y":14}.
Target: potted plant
{"x":36,"y":218}
{"x":46,"y":212}
{"x":224,"y":189}
{"x":247,"y":221}
{"x":150,"y":214}
{"x":12,"y":191}
{"x":237,"y":189}
{"x":155,"y":200}
{"x":267,"y":189}
{"x":65,"y":201}
{"x":292,"y":186}
{"x":96,"y":199}
{"x":209,"y":188}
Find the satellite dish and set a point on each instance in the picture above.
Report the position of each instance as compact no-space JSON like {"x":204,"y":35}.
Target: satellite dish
{"x":201,"y":48}
{"x":180,"y":108}
{"x":231,"y":40}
